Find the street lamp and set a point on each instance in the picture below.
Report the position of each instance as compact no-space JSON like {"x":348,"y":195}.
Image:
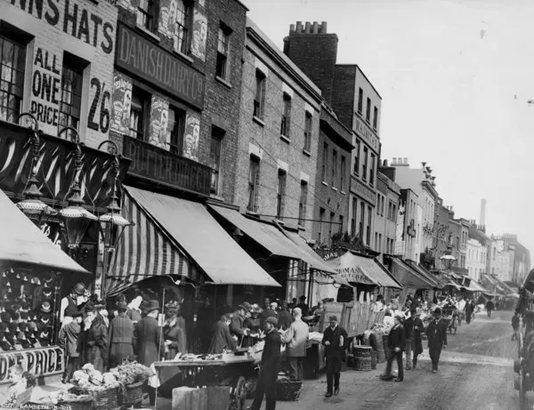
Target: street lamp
{"x":31,"y":205}
{"x":76,"y":218}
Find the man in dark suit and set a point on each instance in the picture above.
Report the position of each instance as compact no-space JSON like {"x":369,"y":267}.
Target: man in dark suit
{"x":222,"y":338}
{"x":396,"y":344}
{"x":334,"y":340}
{"x":269,"y":367}
{"x":150,"y":344}
{"x":437,"y":338}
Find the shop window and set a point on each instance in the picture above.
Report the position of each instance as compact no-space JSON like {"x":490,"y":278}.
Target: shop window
{"x":223,"y":45}
{"x":139,"y":114}
{"x":217,"y":135}
{"x":12,"y":65}
{"x":253,"y":183}
{"x":286,"y":116}
{"x":184,"y":24}
{"x":71,"y":91}
{"x":176,"y":130}
{"x":325,"y":161}
{"x":303,"y":202}
{"x":259,"y":98}
{"x":368,"y":111}
{"x":360,"y":101}
{"x":334,"y":167}
{"x":342,"y":174}
{"x":375,"y":118}
{"x":147,"y":12}
{"x":281,"y":193}
{"x":307,"y":132}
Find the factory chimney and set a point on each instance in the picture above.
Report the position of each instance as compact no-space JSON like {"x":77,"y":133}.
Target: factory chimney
{"x":482,"y":220}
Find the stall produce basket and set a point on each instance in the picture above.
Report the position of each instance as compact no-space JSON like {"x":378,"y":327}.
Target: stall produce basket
{"x":83,"y":403}
{"x":131,"y":395}
{"x":288,"y":390}
{"x":103,"y":398}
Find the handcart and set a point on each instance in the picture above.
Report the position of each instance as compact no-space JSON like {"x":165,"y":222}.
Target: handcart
{"x":236,"y":372}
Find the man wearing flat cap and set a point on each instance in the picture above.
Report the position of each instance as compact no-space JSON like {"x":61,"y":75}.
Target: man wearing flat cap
{"x":269,"y":367}
{"x":436,"y":333}
{"x":69,"y":341}
{"x":334,"y":340}
{"x":237,"y":327}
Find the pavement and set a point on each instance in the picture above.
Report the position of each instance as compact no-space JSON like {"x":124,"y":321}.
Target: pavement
{"x":475,"y":373}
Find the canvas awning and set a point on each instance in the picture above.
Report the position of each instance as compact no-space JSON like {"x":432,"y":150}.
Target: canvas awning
{"x":308,"y":255}
{"x":23,"y":244}
{"x":408,"y":276}
{"x":192,"y":237}
{"x":475,"y":287}
{"x":364,"y":270}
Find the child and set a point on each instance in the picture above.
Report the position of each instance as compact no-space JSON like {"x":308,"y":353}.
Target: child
{"x":20,"y":381}
{"x":69,"y":340}
{"x":515,"y":325}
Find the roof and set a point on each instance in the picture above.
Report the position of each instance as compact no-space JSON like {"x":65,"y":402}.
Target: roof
{"x":22,"y":243}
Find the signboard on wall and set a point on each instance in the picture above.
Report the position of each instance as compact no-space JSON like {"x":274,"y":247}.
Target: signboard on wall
{"x":42,"y":361}
{"x":157,"y":66}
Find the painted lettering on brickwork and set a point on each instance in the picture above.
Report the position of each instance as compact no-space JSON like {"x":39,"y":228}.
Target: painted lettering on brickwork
{"x":159,"y":122}
{"x":76,"y":20}
{"x":200,"y":34}
{"x":99,"y":112}
{"x":46,"y":88}
{"x":364,"y":132}
{"x":192,"y":136}
{"x":121,"y":103}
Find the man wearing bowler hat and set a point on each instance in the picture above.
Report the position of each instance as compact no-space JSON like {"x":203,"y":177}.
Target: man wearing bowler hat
{"x":334,"y":339}
{"x":237,"y":327}
{"x":150,"y":344}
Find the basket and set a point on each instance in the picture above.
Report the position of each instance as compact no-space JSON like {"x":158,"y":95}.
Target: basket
{"x":82,"y":404}
{"x":362,"y":351}
{"x":103,"y":399}
{"x":288,"y":390}
{"x":131,"y":394}
{"x":362,"y":364}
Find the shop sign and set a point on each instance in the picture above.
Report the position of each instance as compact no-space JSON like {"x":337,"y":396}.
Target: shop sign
{"x":364,"y":192}
{"x":161,"y":166}
{"x":354,"y":274}
{"x":158,"y":66}
{"x":366,"y":134}
{"x":41,"y":361}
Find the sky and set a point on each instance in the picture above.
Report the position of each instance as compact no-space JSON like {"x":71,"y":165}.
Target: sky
{"x":455,"y":78}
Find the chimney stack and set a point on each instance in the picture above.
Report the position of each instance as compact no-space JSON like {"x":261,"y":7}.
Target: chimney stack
{"x":483,"y":212}
{"x":322,"y":28}
{"x":307,"y":30}
{"x":315,"y":28}
{"x":300,"y":29}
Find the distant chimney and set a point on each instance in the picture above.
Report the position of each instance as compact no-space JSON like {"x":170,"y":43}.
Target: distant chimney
{"x":315,"y":27}
{"x":483,"y":212}
{"x":300,"y":29}
{"x":385,"y":162}
{"x":307,"y":29}
{"x":322,"y":28}
{"x":292,"y":28}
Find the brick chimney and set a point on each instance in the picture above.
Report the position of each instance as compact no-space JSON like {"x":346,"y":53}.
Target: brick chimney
{"x":314,"y":51}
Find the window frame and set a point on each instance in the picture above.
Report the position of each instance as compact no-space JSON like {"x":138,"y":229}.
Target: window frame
{"x":222,"y":62}
{"x":325,"y":161}
{"x":14,"y":91}
{"x":253,"y":183}
{"x":342,"y":173}
{"x":354,"y":216}
{"x":334,"y":167}
{"x":372,"y":170}
{"x":149,"y":16}
{"x":375,"y":118}
{"x":182,"y":43}
{"x":178,"y":131}
{"x":365,"y":163}
{"x":144,"y":102}
{"x":67,"y":110}
{"x":308,"y":128}
{"x":360,"y":101}
{"x":215,"y":158}
{"x":357,"y":150}
{"x":281,"y":193}
{"x":259,"y":95}
{"x":285,"y":122}
{"x":368,"y":111}
{"x":303,"y":202}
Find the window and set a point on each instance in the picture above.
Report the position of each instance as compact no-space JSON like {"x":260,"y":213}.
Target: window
{"x":372,"y":170}
{"x":222,"y":52}
{"x":331,"y":227}
{"x":284,"y":124}
{"x":378,"y":199}
{"x":321,"y":224}
{"x":362,"y":219}
{"x":139,"y":114}
{"x":146,"y":15}
{"x":308,"y":132}
{"x":357,"y":158}
{"x":303,"y":203}
{"x":340,"y":226}
{"x":375,"y":118}
{"x":259,"y":99}
{"x":217,"y":136}
{"x":12,"y":64}
{"x":354,"y":216}
{"x":365,"y":163}
{"x":253,"y":183}
{"x":334,"y":167}
{"x":281,"y":193}
{"x":182,"y":36}
{"x":383,"y":206}
{"x":71,"y":92}
{"x":342,"y":176}
{"x":360,"y":100}
{"x":369,"y":223}
{"x":368,"y":111}
{"x":176,"y":130}
{"x":325,"y":161}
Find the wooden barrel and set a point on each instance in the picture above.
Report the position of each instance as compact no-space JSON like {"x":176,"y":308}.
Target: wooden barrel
{"x":362,"y":351}
{"x":363,"y":364}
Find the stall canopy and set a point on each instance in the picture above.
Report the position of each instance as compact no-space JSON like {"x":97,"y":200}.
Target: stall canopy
{"x":439,"y":281}
{"x":408,"y":276}
{"x":174,"y":236}
{"x":23,"y":244}
{"x":475,"y":287}
{"x":364,"y":270}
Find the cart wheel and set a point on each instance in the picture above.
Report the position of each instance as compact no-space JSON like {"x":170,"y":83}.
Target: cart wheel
{"x":523,"y":402}
{"x":240,"y":393}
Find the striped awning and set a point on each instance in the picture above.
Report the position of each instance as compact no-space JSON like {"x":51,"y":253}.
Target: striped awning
{"x":145,"y":250}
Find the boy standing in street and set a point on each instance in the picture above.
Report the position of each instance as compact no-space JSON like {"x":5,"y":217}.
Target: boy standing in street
{"x":68,"y":340}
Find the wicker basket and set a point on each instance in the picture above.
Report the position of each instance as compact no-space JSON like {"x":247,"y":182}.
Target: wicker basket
{"x":362,"y":364}
{"x":288,"y":390}
{"x":103,"y":399}
{"x":131,"y":395}
{"x":82,"y":404}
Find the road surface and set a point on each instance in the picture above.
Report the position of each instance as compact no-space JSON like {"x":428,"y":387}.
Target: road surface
{"x":476,"y":373}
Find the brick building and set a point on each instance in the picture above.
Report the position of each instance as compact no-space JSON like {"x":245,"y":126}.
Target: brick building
{"x":387,"y":212}
{"x":356,"y":103}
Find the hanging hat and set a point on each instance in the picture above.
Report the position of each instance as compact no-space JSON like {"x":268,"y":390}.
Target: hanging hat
{"x":36,"y":281}
{"x":18,"y":276}
{"x":47,"y":292}
{"x":31,"y":327}
{"x":152,"y":305}
{"x":79,"y":289}
{"x":48,"y":278}
{"x":4,"y":274}
{"x":45,"y":307}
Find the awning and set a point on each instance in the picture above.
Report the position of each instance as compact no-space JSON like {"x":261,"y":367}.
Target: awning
{"x":23,"y":244}
{"x":475,"y":287}
{"x":408,"y":276}
{"x":202,"y":239}
{"x":439,"y":281}
{"x":360,"y":269}
{"x":308,"y":255}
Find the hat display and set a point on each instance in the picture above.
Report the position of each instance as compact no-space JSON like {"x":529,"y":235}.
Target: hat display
{"x":45,"y":307}
{"x":332,"y":318}
{"x":272,"y":320}
{"x":152,"y":305}
{"x":245,"y":305}
{"x":47,"y":292}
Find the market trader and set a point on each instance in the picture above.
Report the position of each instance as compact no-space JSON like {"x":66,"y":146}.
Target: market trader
{"x":436,"y":333}
{"x":269,"y":367}
{"x":334,"y":339}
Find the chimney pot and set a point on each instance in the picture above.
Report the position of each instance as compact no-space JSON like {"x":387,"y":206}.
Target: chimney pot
{"x":299,"y":27}
{"x":315,"y":29}
{"x":291,"y":28}
{"x":323,"y":27}
{"x":405,"y":160}
{"x":307,"y":29}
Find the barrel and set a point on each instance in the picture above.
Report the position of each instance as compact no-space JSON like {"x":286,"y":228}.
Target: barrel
{"x":362,"y":351}
{"x":362,"y":358}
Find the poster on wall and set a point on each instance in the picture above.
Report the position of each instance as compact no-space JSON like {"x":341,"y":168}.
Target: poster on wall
{"x":200,"y":34}
{"x":159,"y":121}
{"x":121,"y":103}
{"x":167,"y":23}
{"x":191,"y":136}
